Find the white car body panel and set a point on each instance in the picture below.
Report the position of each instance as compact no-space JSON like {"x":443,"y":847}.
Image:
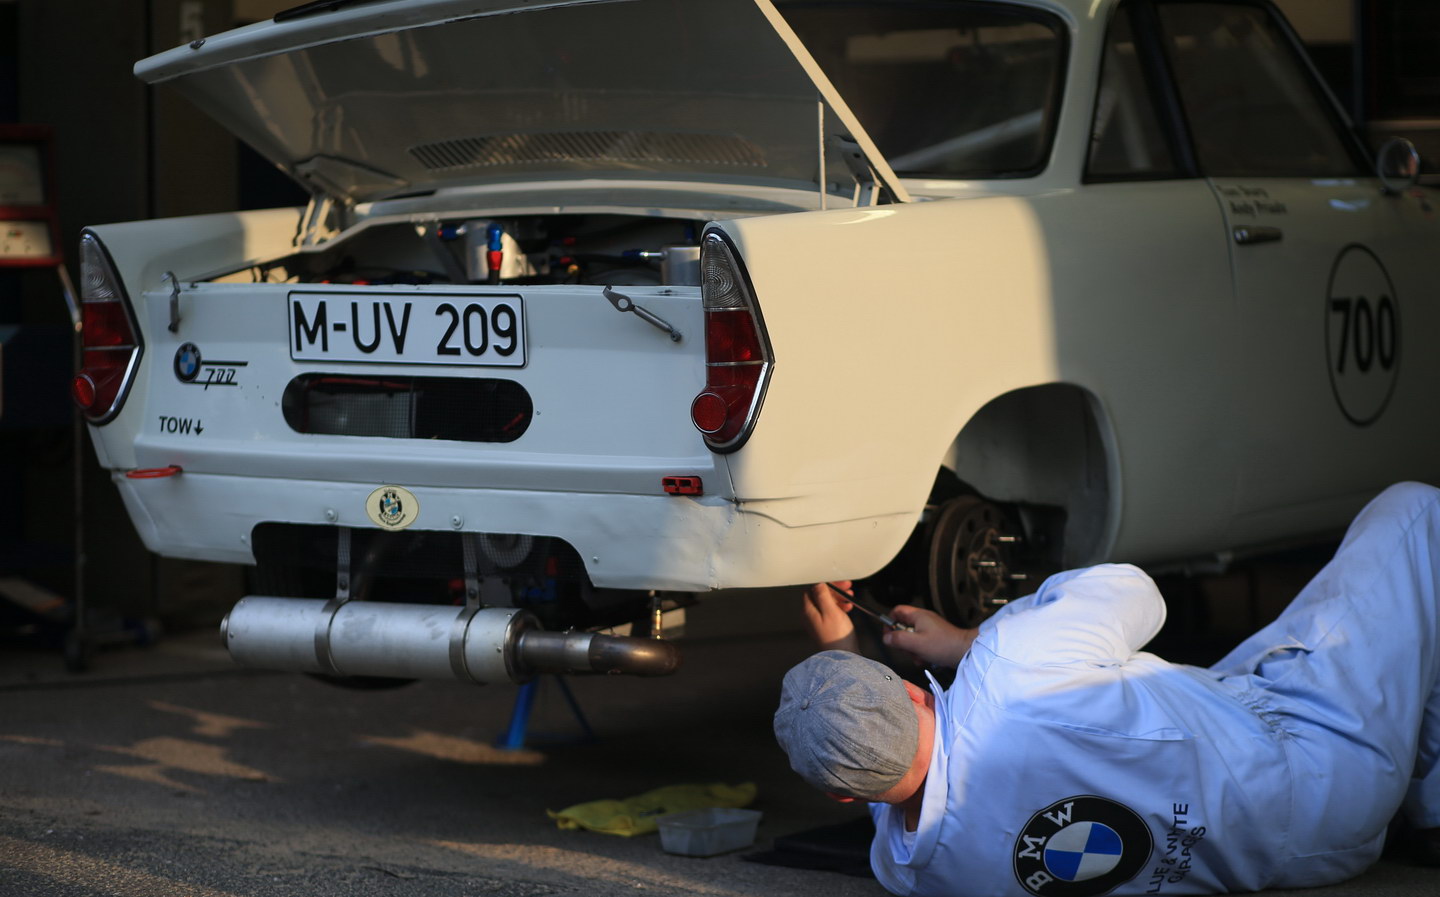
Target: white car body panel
{"x":1280,"y":290}
{"x":1045,"y":331}
{"x":1210,"y":423}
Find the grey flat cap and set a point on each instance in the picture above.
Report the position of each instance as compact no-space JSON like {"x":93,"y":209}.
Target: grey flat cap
{"x":847,"y":723}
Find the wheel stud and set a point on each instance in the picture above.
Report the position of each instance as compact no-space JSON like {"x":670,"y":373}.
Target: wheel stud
{"x":970,"y":559}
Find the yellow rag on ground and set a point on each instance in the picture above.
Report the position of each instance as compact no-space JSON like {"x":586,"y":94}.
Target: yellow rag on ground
{"x":636,"y":815}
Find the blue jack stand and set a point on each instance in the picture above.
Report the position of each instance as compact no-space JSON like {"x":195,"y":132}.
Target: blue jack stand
{"x":514,"y":737}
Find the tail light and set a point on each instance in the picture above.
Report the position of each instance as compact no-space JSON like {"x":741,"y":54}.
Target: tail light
{"x":110,"y":341}
{"x":737,"y":352}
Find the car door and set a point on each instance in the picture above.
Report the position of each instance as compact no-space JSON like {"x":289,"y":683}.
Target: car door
{"x":1152,"y":326}
{"x":1317,"y":258}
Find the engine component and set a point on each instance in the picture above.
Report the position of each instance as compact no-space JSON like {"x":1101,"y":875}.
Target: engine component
{"x":493,"y":253}
{"x":425,"y":641}
{"x":680,"y":266}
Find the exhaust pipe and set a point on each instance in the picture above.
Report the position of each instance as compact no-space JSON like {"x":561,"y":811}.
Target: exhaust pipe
{"x":425,"y":641}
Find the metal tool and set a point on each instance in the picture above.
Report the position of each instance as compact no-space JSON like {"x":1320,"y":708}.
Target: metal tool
{"x":883,"y":618}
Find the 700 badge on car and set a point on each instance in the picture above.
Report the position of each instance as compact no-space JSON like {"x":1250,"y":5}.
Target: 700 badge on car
{"x":408,"y":328}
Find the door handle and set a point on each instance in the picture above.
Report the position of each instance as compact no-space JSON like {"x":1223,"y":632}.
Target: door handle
{"x":1246,"y":234}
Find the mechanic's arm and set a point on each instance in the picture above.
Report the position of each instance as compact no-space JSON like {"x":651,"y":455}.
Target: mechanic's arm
{"x":1101,"y":614}
{"x":827,"y":617}
{"x":934,"y":641}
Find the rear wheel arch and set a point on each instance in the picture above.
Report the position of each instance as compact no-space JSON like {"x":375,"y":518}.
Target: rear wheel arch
{"x":1027,"y":488}
{"x":1045,"y":446}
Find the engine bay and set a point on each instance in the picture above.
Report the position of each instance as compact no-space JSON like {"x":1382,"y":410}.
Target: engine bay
{"x":530,"y":249}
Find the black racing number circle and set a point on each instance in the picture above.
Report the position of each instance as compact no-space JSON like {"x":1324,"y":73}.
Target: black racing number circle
{"x":1362,"y":335}
{"x":1081,"y":846}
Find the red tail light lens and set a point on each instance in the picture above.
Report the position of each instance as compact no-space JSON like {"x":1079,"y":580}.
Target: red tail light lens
{"x":82,"y":388}
{"x":107,"y":326}
{"x":709,"y":412}
{"x":110,"y":342}
{"x":730,"y":336}
{"x":737,"y":352}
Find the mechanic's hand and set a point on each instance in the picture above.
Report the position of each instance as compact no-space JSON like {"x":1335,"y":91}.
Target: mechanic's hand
{"x":827,"y":617}
{"x":935,"y":641}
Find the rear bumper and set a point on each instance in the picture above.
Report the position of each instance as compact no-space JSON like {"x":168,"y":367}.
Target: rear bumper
{"x":672,"y":543}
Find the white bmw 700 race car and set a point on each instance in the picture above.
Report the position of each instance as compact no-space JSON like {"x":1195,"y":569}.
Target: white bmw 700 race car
{"x":602,"y":304}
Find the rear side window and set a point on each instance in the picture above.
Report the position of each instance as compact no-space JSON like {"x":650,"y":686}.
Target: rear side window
{"x":948,"y":89}
{"x":1127,"y":140}
{"x":1254,"y":109}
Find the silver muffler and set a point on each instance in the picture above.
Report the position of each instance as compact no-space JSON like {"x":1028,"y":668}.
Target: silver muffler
{"x":425,"y":641}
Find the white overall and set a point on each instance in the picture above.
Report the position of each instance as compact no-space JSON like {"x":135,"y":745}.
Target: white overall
{"x":1068,"y":764}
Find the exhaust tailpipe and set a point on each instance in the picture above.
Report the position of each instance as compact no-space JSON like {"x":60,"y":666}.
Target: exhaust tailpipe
{"x":425,"y":641}
{"x":589,"y":652}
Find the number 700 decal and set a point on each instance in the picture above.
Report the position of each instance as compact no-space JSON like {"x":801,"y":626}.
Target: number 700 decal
{"x":1362,"y":335}
{"x":1372,"y":335}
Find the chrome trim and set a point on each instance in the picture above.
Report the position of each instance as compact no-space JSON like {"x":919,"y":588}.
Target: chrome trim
{"x":1394,"y":186}
{"x":138,"y":351}
{"x":762,"y":383}
{"x":732,"y":364}
{"x":1250,"y":234}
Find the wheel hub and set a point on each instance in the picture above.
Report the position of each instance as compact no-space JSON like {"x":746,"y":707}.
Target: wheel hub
{"x":970,"y":560}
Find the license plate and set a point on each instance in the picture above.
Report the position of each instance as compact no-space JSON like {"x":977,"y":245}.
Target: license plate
{"x":408,"y":328}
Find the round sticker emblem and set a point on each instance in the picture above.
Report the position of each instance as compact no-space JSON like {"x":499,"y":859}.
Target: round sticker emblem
{"x":392,"y":507}
{"x":1362,"y":335}
{"x":1081,"y":846}
{"x":187,"y":362}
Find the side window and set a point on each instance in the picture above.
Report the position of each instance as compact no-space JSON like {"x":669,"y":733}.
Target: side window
{"x":1253,"y":108}
{"x":946,"y":89}
{"x":1127,"y":140}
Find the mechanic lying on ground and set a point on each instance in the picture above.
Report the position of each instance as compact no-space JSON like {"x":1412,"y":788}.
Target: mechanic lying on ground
{"x":1065,"y":762}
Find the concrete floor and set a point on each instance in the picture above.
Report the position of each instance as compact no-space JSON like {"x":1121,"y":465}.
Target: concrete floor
{"x":166,"y":772}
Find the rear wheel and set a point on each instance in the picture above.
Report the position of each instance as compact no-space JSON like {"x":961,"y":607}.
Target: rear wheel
{"x":975,"y":567}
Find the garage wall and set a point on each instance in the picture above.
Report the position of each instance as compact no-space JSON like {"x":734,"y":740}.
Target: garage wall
{"x":1320,"y":21}
{"x":255,"y":10}
{"x":1328,"y":29}
{"x":123,"y":152}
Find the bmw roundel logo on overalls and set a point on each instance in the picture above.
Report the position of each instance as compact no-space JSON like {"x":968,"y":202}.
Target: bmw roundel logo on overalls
{"x":1081,"y":846}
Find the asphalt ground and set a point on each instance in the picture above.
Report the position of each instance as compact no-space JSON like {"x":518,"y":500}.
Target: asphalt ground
{"x":167,"y":772}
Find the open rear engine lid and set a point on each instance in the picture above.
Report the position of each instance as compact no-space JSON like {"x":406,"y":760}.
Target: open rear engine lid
{"x":368,"y":99}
